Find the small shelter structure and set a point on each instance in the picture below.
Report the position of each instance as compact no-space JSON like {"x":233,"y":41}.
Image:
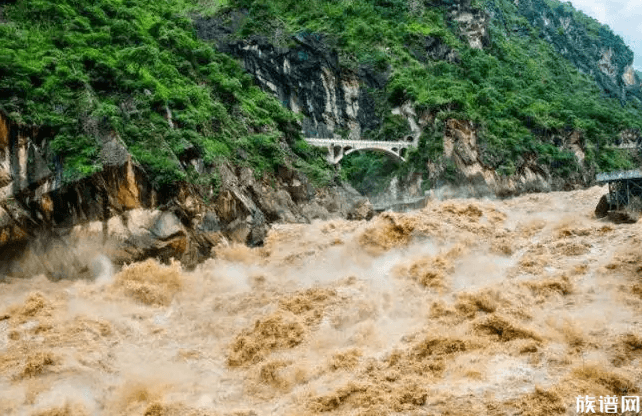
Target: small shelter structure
{"x":624,"y":187}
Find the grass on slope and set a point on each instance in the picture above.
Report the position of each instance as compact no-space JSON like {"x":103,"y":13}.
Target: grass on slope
{"x":82,"y":68}
{"x":519,"y":91}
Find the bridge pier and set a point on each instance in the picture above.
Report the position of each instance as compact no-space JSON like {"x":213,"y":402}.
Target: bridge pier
{"x":335,"y":153}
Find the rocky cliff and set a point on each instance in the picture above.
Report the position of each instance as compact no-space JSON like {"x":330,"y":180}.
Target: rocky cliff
{"x":306,"y":77}
{"x":339,"y":99}
{"x":590,"y":46}
{"x":441,"y":72}
{"x":304,"y":71}
{"x":58,"y":229}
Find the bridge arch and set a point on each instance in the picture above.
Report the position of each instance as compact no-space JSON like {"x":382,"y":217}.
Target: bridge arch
{"x":338,"y":148}
{"x":388,"y":152}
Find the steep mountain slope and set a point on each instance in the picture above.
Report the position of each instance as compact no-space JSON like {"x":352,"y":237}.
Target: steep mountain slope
{"x":546,"y":88}
{"x":82,"y":70}
{"x":113,"y":106}
{"x":111,"y":110}
{"x":590,"y":47}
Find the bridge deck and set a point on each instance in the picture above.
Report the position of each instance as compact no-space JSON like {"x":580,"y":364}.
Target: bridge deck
{"x":618,"y":176}
{"x":357,"y":143}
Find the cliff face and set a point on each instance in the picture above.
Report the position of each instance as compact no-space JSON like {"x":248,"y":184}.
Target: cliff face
{"x":591,"y":47}
{"x":306,"y":78}
{"x":119,"y":211}
{"x":471,"y":22}
{"x":339,"y":100}
{"x":54,"y":228}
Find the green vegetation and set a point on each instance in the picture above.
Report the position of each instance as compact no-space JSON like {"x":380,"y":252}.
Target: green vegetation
{"x":591,"y":25}
{"x":518,"y":90}
{"x":83,"y":68}
{"x":370,"y":173}
{"x":208,"y":7}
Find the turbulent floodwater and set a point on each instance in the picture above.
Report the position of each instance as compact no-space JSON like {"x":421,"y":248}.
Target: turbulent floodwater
{"x":466,"y":307}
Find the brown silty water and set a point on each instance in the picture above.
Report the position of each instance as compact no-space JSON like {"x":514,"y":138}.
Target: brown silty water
{"x":465,"y":307}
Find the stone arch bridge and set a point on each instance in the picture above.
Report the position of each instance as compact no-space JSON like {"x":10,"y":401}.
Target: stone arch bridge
{"x":338,"y":148}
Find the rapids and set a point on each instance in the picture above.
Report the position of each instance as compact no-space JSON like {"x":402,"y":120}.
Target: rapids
{"x":465,"y":307}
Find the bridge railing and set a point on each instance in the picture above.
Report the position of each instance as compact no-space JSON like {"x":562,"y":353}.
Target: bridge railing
{"x":359,"y":143}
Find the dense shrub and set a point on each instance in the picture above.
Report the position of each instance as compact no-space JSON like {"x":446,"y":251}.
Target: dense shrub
{"x":519,"y":91}
{"x":83,"y":68}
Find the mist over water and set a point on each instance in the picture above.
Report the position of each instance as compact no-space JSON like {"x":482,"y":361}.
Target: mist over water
{"x":464,"y":307}
{"x":102,"y":270}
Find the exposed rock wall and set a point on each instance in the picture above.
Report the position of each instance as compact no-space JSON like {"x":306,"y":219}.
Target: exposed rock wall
{"x":47,"y":226}
{"x":460,"y":146}
{"x":476,"y":178}
{"x":471,"y":22}
{"x":307,"y":78}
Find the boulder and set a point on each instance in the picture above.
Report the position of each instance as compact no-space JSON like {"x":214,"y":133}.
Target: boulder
{"x":361,"y":210}
{"x":166,"y":226}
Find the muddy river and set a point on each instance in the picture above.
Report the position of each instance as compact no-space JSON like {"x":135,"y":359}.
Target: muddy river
{"x":467,"y":307}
